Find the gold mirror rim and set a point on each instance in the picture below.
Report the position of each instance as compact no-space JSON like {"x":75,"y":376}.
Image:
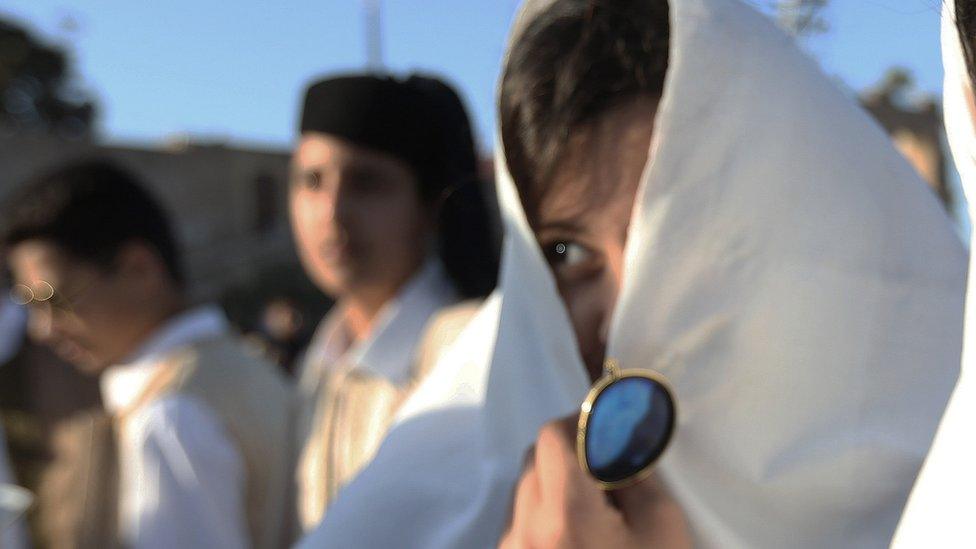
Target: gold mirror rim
{"x":584,"y":417}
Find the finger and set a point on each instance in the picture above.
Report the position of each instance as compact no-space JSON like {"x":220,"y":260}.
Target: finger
{"x":525,"y":506}
{"x":527,"y":487}
{"x":524,"y":498}
{"x":649,"y":502}
{"x":528,"y":462}
{"x":563,"y":484}
{"x":640,"y":497}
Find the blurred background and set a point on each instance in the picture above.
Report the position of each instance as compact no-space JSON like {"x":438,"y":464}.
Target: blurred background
{"x":201,"y":99}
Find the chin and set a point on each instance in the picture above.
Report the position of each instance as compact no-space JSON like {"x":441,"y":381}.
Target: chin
{"x":341,"y":281}
{"x":332,"y":286}
{"x":91,"y":369}
{"x":84,"y":362}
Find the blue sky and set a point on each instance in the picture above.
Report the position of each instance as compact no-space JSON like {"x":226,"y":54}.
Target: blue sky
{"x":197,"y":67}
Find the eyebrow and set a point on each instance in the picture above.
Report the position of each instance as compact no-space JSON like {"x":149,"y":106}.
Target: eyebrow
{"x":568,"y":225}
{"x":564,"y":213}
{"x":297,"y":169}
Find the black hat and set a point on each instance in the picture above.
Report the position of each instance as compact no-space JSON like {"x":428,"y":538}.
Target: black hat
{"x":419,"y":120}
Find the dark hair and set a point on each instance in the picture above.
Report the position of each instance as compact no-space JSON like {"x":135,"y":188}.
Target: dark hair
{"x":966,"y":24}
{"x":467,"y":245}
{"x":90,"y":209}
{"x":575,"y":61}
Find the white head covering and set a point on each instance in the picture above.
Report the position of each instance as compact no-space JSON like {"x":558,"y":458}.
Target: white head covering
{"x":942,"y":508}
{"x":785,"y":268}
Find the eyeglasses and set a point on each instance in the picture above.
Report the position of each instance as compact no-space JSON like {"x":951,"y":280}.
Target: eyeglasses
{"x":43,"y":292}
{"x":625,"y":424}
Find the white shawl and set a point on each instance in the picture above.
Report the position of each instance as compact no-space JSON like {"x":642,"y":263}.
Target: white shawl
{"x":942,"y":509}
{"x":786,"y":269}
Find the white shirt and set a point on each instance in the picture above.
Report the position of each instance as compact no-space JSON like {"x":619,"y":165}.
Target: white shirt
{"x":389,"y":349}
{"x":181,"y":478}
{"x":388,"y":352}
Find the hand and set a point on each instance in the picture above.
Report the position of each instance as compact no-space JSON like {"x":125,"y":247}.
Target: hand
{"x":558,"y":505}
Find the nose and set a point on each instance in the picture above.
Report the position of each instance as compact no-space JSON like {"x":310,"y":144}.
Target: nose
{"x":40,"y":323}
{"x":613,"y":294}
{"x":343,"y":207}
{"x":330,"y":205}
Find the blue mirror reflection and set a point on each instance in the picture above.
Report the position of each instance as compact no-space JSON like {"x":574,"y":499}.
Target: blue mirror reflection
{"x":629,"y":426}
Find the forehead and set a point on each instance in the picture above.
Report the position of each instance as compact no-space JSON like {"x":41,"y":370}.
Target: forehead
{"x":320,"y":149}
{"x":34,"y":260}
{"x":599,"y":173}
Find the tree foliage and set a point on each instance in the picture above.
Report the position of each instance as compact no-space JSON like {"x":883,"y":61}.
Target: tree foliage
{"x":801,"y":17}
{"x":37,"y":91}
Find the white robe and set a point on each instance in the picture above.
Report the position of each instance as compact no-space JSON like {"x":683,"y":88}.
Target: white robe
{"x":182,"y":476}
{"x":785,"y":268}
{"x":942,"y":508}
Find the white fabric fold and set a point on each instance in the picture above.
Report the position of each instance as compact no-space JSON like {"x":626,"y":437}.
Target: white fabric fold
{"x":786,"y":269}
{"x":942,"y":509}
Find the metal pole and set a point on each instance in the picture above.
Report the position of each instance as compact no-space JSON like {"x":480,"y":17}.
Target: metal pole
{"x":374,"y":35}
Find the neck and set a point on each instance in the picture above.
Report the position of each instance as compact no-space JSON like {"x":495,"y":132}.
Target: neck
{"x":161,"y":314}
{"x":364,"y":304}
{"x":361,"y":313}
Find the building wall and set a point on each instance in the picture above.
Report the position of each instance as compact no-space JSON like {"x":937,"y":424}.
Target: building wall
{"x":228,"y":205}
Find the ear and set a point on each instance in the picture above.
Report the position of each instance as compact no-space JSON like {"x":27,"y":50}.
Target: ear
{"x":140,"y":263}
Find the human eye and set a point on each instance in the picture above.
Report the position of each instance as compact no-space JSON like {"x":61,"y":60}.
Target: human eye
{"x":308,"y":180}
{"x":567,"y":253}
{"x":569,"y":259}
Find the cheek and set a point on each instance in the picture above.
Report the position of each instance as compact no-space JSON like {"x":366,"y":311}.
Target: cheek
{"x":309,"y":231}
{"x":398,"y":225}
{"x":305,"y":217}
{"x":97,"y":326}
{"x":589,"y":304}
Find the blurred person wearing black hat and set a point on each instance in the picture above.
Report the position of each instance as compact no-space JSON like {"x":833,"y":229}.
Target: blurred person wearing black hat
{"x":192,"y":448}
{"x":391,"y":220}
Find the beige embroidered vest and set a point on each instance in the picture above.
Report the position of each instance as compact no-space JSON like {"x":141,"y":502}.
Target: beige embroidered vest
{"x":79,"y":498}
{"x":353,"y":414}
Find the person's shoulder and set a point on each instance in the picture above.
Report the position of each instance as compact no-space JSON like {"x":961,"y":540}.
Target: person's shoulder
{"x":178,"y":418}
{"x":170,"y":413}
{"x":223,"y":372}
{"x":452,"y":319}
{"x":184,"y":425}
{"x":230,"y":352}
{"x":441,"y":331}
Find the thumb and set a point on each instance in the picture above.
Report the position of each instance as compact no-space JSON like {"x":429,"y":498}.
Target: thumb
{"x":649,"y":507}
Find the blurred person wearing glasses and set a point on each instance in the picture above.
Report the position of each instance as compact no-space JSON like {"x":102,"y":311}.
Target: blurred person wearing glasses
{"x":390,"y":219}
{"x":191,"y":450}
{"x":39,"y":392}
